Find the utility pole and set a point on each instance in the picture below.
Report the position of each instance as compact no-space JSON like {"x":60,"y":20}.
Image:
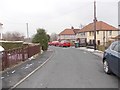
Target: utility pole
{"x":1,"y":36}
{"x":27,"y":31}
{"x":95,"y":19}
{"x":119,"y":18}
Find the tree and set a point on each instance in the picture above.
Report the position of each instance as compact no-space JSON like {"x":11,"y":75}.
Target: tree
{"x":42,"y":38}
{"x":13,"y":36}
{"x":48,"y":37}
{"x":54,"y":37}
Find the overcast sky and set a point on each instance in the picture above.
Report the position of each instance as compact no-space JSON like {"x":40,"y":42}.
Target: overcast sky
{"x":54,"y":15}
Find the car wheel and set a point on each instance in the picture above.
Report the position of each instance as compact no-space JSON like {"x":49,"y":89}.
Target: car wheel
{"x":106,"y":67}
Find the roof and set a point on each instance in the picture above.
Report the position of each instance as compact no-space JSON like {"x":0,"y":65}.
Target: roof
{"x":67,"y":32}
{"x":76,"y":30}
{"x":100,"y":25}
{"x":71,"y":31}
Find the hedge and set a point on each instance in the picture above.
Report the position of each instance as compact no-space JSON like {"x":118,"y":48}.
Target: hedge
{"x":11,"y":44}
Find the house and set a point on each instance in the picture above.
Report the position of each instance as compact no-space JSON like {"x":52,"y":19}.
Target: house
{"x":68,"y":34}
{"x":104,"y":32}
{"x":1,"y":30}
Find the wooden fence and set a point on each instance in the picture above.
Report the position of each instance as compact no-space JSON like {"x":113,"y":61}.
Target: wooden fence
{"x":14,"y":56}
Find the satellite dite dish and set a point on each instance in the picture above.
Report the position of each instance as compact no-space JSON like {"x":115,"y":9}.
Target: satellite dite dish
{"x":1,"y":49}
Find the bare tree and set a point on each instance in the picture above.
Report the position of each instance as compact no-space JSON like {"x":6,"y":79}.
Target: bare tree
{"x":13,"y":36}
{"x":53,"y":37}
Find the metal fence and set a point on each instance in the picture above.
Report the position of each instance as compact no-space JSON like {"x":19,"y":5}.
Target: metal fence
{"x":14,"y":56}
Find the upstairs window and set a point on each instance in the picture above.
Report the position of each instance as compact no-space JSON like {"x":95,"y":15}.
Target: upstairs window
{"x":90,"y":33}
{"x":110,"y":32}
{"x":97,"y":32}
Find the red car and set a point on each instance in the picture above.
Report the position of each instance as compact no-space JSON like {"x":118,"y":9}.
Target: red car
{"x":64,"y":44}
{"x":55,"y":43}
{"x":49,"y":43}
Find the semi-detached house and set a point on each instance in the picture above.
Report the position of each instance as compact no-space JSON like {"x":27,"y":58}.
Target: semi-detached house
{"x":68,"y":34}
{"x":104,"y":32}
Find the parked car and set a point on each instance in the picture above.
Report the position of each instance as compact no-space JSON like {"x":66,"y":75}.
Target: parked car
{"x":64,"y":43}
{"x":55,"y":43}
{"x":49,"y":43}
{"x":111,"y":59}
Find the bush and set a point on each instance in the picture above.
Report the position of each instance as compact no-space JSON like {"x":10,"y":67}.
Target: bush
{"x":101,"y":47}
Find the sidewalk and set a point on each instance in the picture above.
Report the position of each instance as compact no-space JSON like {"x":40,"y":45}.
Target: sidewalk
{"x":11,"y":77}
{"x":95,"y":52}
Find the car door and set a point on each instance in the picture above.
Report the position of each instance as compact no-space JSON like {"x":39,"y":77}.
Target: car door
{"x":114,"y":59}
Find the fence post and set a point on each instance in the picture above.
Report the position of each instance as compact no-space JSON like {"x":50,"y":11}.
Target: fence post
{"x":6,"y":63}
{"x":23,"y":58}
{"x":28,"y":51}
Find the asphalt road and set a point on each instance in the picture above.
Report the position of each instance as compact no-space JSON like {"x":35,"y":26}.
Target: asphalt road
{"x":13,"y":75}
{"x":71,"y":68}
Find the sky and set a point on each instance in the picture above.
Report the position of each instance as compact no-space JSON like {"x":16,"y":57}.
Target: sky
{"x":54,"y":15}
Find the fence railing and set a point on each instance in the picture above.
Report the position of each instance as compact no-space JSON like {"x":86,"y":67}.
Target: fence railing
{"x":14,"y":56}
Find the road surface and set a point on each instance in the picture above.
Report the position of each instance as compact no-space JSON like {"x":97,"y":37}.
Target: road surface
{"x":71,"y":68}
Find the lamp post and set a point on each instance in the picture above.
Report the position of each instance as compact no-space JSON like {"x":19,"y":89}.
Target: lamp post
{"x":27,"y":31}
{"x":1,"y":37}
{"x":95,"y":19}
{"x":118,"y":29}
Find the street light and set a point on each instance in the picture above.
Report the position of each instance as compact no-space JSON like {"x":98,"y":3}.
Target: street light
{"x":118,"y":29}
{"x":1,"y":31}
{"x":95,"y":20}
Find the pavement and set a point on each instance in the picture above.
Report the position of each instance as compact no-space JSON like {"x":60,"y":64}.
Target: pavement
{"x":13,"y":75}
{"x":95,"y":52}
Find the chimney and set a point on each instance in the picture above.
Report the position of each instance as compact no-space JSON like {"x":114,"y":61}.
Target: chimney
{"x":72,"y":27}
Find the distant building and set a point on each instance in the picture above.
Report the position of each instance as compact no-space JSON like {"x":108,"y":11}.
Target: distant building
{"x":104,"y":32}
{"x":68,"y":34}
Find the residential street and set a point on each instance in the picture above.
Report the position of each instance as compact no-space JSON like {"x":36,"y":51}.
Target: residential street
{"x":71,"y":68}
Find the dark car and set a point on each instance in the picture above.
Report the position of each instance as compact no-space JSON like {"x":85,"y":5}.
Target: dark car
{"x":111,"y":59}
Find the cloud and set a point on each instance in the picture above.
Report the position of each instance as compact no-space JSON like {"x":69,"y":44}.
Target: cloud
{"x":54,"y":15}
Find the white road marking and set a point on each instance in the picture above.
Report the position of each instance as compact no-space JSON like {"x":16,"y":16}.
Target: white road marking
{"x":2,"y":77}
{"x":13,"y":71}
{"x":32,"y":72}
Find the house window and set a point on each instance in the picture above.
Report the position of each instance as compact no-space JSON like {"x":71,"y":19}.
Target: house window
{"x":110,"y":32}
{"x":84,"y":33}
{"x":97,"y":32}
{"x":90,"y":33}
